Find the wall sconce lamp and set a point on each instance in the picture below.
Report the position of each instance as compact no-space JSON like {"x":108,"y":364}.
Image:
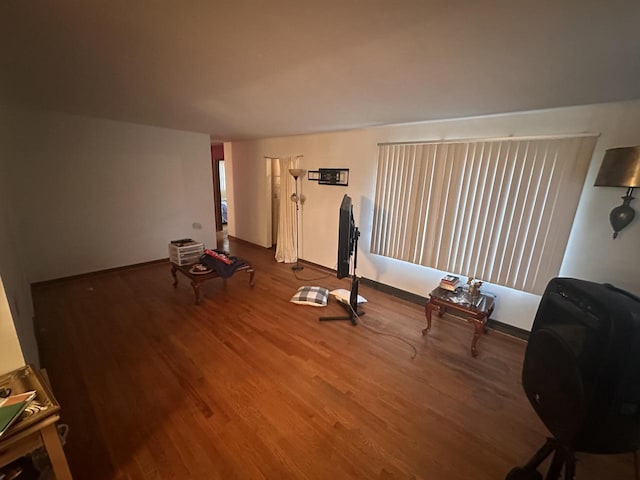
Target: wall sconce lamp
{"x":620,"y":168}
{"x":297,"y":173}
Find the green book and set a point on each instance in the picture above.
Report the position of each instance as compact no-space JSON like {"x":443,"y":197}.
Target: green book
{"x":12,"y":407}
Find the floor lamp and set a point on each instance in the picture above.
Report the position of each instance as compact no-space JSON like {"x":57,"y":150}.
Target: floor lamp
{"x":297,"y":173}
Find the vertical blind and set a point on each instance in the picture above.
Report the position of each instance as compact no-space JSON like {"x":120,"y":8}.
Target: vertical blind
{"x":499,"y":210}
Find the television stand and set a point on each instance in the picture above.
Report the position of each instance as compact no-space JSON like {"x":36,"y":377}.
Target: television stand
{"x":351,"y":307}
{"x":350,"y":317}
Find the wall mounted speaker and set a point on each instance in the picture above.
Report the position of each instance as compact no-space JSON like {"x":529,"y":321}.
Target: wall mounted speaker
{"x":581,"y":370}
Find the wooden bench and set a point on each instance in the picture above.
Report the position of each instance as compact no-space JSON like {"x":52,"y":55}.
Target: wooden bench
{"x":199,"y":279}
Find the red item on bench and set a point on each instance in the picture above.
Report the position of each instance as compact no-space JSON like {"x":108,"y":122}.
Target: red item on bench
{"x":219,"y":256}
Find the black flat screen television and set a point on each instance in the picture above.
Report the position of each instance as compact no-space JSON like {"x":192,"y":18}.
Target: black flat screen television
{"x":346,"y":233}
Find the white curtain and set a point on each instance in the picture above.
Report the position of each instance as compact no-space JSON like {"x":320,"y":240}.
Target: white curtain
{"x":286,"y":246}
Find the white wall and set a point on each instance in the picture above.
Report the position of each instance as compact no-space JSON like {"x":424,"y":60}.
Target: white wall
{"x":591,"y":252}
{"x":247,"y":207}
{"x":94,"y":194}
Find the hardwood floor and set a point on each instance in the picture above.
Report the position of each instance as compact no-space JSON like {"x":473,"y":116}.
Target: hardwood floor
{"x":250,"y":386}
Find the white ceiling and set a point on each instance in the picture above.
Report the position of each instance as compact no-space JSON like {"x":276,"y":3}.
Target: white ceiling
{"x":247,"y":69}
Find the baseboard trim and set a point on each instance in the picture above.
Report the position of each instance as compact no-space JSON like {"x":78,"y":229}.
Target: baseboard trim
{"x":318,"y":266}
{"x":246,"y":242}
{"x":396,"y":292}
{"x":516,"y":332}
{"x":97,"y":272}
{"x":420,"y":300}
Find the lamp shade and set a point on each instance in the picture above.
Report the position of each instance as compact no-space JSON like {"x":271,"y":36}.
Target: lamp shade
{"x":297,"y":172}
{"x":620,"y":168}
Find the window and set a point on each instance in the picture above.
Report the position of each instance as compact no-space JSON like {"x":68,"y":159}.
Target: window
{"x":498,"y":209}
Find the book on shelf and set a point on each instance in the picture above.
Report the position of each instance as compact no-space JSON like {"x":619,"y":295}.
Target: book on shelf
{"x":12,"y":407}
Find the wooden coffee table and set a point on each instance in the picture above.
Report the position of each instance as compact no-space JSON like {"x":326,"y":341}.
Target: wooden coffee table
{"x":476,"y":310}
{"x":198,"y":279}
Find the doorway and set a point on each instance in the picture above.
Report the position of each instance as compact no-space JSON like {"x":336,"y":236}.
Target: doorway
{"x":219,"y":187}
{"x":272,"y":198}
{"x":275,"y":200}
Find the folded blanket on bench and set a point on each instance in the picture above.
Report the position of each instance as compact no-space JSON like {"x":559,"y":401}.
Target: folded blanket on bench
{"x":224,"y":264}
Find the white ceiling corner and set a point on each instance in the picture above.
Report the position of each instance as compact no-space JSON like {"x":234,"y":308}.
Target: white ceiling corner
{"x":248,"y":69}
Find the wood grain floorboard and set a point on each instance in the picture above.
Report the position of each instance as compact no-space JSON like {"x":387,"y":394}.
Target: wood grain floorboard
{"x":250,"y":386}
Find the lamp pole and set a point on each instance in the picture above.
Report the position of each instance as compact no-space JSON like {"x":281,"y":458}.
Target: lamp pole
{"x":297,"y":266}
{"x":297,"y":173}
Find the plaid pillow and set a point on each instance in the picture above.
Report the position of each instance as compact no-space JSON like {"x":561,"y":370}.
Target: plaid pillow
{"x":314,"y":296}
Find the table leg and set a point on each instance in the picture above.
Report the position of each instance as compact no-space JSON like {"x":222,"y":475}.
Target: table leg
{"x":52,"y":444}
{"x":428,"y":308}
{"x":196,"y":291}
{"x":478,"y":323}
{"x":251,"y":273}
{"x":175,"y":277}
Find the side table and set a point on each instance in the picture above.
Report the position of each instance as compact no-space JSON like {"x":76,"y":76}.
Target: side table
{"x":37,"y":426}
{"x":476,"y":310}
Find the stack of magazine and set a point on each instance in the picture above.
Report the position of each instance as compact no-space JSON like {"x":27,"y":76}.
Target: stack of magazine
{"x":450,"y":282}
{"x":12,"y":407}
